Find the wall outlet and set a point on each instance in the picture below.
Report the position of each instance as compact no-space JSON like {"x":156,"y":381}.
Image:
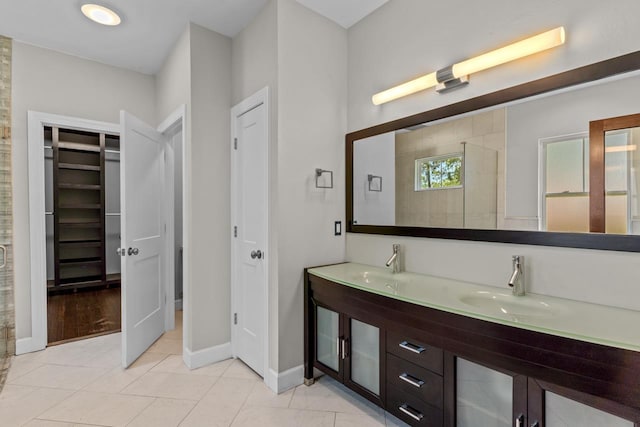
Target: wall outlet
{"x":337,"y":228}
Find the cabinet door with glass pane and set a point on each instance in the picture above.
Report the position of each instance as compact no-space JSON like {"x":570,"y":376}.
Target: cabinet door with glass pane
{"x":328,"y":341}
{"x":487,"y":397}
{"x":364,"y":358}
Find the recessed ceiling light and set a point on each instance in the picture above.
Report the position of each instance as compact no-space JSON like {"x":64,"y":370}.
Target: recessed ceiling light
{"x":100,"y":14}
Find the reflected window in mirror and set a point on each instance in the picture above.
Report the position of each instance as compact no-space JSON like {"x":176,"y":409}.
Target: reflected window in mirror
{"x":440,"y":172}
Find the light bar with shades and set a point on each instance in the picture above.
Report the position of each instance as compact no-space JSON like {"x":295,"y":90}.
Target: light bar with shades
{"x":458,"y":74}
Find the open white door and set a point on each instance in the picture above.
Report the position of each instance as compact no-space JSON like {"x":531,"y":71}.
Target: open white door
{"x":250,"y":213}
{"x":141,"y":192}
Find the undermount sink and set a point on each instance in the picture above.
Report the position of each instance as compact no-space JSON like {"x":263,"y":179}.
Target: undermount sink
{"x":509,"y":305}
{"x":376,"y":277}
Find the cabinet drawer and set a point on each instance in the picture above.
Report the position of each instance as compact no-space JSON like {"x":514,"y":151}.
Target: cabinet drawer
{"x":415,"y":351}
{"x":410,"y":409}
{"x":413,"y":379}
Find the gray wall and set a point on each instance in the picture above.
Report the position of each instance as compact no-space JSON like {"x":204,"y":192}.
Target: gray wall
{"x":387,"y":48}
{"x":52,"y":82}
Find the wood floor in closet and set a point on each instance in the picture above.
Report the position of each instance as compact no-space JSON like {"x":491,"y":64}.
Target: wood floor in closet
{"x":83,"y":314}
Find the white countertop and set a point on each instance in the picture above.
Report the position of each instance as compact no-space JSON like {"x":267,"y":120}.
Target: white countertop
{"x":599,"y":324}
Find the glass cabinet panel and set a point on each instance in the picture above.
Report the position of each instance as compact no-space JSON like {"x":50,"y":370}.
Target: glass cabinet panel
{"x":365,"y":355}
{"x":484,"y":397}
{"x":327,"y":333}
{"x":563,"y":412}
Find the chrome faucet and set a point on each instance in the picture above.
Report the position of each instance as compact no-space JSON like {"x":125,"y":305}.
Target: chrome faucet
{"x":394,"y":261}
{"x":517,"y":277}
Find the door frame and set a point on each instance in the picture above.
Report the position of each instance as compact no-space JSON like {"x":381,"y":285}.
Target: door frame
{"x":259,"y":98}
{"x":178,"y":118}
{"x":36,"y":121}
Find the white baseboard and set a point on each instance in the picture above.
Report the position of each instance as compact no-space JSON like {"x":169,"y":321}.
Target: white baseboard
{"x":27,"y":345}
{"x":207,"y":356}
{"x":178,"y":304}
{"x":283,"y":381}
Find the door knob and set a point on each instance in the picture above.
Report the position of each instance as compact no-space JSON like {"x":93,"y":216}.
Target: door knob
{"x":133,"y":251}
{"x":256,"y":254}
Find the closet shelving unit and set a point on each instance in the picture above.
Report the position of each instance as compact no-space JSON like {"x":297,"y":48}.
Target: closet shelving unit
{"x":79,"y":209}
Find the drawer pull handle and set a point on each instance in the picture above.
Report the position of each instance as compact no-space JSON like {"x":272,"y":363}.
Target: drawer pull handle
{"x":411,"y":347}
{"x":520,"y":421}
{"x":416,"y":382}
{"x":410,"y":412}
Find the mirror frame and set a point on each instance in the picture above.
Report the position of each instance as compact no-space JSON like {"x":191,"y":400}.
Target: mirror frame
{"x":589,"y":73}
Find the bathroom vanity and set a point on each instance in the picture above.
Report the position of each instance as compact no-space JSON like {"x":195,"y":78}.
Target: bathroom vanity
{"x":439,"y":352}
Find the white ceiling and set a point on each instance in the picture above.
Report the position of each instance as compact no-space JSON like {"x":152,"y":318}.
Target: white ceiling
{"x":343,"y":12}
{"x":149,"y":28}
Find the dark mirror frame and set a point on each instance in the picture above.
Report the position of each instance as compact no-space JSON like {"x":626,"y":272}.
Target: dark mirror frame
{"x":586,"y":74}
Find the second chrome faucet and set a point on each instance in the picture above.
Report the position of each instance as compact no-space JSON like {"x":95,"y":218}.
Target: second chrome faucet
{"x":394,"y":260}
{"x":517,"y":277}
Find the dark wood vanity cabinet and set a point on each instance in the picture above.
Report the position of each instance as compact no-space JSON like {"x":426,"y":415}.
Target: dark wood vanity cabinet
{"x":428,"y":364}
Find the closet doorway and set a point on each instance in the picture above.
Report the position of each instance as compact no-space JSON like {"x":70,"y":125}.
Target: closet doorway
{"x":82,"y":214}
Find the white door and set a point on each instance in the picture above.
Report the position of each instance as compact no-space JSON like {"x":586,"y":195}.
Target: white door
{"x":142,"y":228}
{"x":249,"y":213}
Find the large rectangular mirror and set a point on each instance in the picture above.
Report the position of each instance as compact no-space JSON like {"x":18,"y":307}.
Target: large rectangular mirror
{"x":521,"y":165}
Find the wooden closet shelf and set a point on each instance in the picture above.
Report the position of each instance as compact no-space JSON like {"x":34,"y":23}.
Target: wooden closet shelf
{"x":78,"y":147}
{"x":81,"y":282}
{"x":81,"y":206}
{"x":65,"y":186}
{"x":80,"y":262}
{"x":81,"y":224}
{"x":80,"y":241}
{"x":80,"y":220}
{"x":78,"y":167}
{"x":81,"y":244}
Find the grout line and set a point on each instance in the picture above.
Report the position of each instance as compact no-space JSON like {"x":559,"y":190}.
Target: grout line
{"x":73,"y":423}
{"x":140,"y":413}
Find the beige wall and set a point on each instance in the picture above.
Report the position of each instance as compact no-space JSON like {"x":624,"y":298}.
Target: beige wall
{"x":52,"y":82}
{"x":312,"y":87}
{"x":382,"y":53}
{"x":209,"y":183}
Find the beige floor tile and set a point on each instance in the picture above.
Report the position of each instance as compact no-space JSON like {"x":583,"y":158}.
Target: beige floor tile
{"x":328,"y":395}
{"x":171,"y":386}
{"x":283,"y":417}
{"x":163,"y":413}
{"x":98,"y":408}
{"x":238,"y":369}
{"x":119,"y":378}
{"x":12,"y":393}
{"x":48,"y":423}
{"x":21,"y":408}
{"x":359,"y":420}
{"x":261,"y":395}
{"x":175,"y":365}
{"x":20,"y":367}
{"x":221,"y":404}
{"x":59,"y":376}
{"x":167,"y":346}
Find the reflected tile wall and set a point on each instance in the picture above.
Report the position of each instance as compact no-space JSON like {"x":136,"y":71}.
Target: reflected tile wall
{"x":7,"y":318}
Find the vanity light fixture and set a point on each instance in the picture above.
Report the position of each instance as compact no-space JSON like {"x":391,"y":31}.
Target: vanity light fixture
{"x":100,"y":14}
{"x":458,"y":74}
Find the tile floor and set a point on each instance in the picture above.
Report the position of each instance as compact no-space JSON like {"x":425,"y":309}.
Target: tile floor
{"x":82,"y":384}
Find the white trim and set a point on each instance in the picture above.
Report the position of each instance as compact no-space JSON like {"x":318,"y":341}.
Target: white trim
{"x":206,"y":356}
{"x":259,"y":98}
{"x":283,"y":381}
{"x":37,"y":226}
